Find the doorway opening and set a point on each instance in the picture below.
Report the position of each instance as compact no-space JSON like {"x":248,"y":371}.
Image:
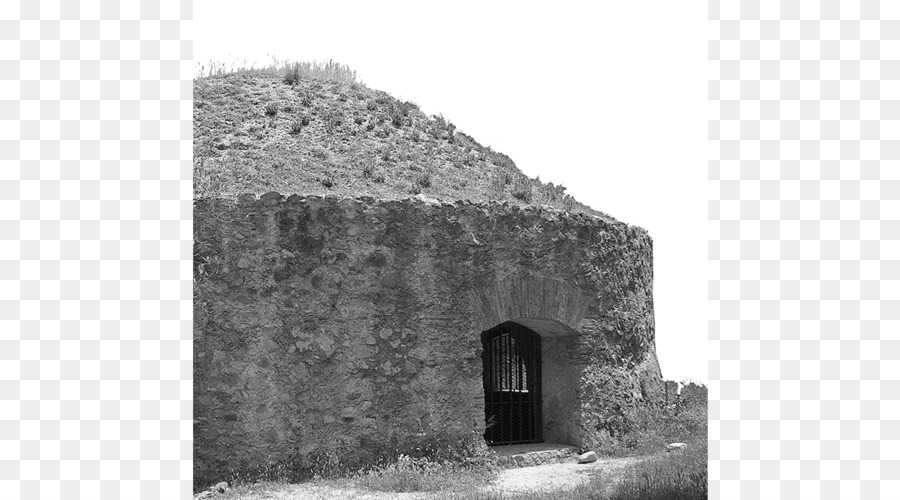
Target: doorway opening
{"x":512,"y":384}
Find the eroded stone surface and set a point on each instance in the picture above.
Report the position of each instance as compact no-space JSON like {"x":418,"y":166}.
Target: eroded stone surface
{"x":334,"y":330}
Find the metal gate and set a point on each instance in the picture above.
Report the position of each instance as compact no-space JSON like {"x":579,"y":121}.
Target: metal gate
{"x":512,"y":384}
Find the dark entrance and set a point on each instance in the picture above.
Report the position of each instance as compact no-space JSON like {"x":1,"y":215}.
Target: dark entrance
{"x":512,"y":384}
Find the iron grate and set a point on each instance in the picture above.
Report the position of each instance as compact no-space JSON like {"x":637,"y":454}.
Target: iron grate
{"x":512,"y":384}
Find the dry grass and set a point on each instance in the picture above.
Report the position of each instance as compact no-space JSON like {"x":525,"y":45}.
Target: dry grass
{"x":409,"y":474}
{"x":287,"y":126}
{"x":676,"y":476}
{"x":291,"y":72}
{"x":439,"y":470}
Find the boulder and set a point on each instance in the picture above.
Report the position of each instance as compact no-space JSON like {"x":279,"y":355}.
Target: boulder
{"x":587,"y":458}
{"x":220,"y":487}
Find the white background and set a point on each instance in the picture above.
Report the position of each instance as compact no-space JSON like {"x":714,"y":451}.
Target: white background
{"x":606,"y":98}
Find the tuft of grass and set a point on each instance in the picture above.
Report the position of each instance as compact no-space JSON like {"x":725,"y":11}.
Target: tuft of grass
{"x":409,"y":474}
{"x":423,"y":180}
{"x":306,"y":99}
{"x":296,"y":127}
{"x":304,"y":120}
{"x":368,"y":170}
{"x":208,"y":180}
{"x":291,"y":74}
{"x":327,"y":181}
{"x":521,"y":189}
{"x":272,"y":109}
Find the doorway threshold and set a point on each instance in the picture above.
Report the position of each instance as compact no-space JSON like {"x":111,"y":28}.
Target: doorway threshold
{"x":531,"y":454}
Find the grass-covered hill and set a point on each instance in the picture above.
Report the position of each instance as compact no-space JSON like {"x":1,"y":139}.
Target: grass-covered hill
{"x":314,"y":129}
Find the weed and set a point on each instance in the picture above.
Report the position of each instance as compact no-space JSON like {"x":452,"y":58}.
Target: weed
{"x":208,"y":180}
{"x":304,"y":120}
{"x":292,"y":74}
{"x":371,"y":105}
{"x":521,"y":189}
{"x":319,"y":153}
{"x":306,"y":99}
{"x":415,"y":136}
{"x":498,"y":186}
{"x":423,"y":180}
{"x":370,"y":126}
{"x":378,"y":178}
{"x":441,"y":128}
{"x":272,"y":109}
{"x":368,"y":170}
{"x":358,"y":120}
{"x":332,"y":119}
{"x":296,"y":127}
{"x":327,"y":181}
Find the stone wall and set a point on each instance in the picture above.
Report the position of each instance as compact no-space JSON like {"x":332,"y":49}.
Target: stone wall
{"x":335,"y":329}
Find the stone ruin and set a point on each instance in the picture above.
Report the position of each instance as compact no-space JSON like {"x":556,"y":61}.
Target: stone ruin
{"x":331,"y":330}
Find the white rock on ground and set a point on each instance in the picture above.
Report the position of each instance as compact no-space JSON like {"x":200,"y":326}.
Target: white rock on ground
{"x":587,"y":458}
{"x":676,"y":447}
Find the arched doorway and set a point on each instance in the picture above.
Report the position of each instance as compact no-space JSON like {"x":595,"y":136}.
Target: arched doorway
{"x":512,"y":384}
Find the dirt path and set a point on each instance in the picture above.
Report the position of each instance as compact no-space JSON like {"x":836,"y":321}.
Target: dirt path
{"x":541,"y":478}
{"x":551,"y":477}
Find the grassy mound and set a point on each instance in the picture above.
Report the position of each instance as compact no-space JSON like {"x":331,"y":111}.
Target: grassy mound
{"x":314,"y":129}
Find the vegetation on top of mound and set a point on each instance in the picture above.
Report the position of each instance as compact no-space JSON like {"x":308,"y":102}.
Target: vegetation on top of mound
{"x":314,"y":129}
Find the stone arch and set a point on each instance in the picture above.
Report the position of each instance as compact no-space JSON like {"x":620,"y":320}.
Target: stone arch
{"x":530,"y":298}
{"x":554,"y":310}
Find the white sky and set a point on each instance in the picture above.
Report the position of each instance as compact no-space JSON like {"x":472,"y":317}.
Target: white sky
{"x":607,"y":98}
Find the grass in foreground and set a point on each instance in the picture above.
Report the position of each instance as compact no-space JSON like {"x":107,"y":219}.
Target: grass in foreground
{"x":675,"y":476}
{"x":681,"y":476}
{"x":409,"y":474}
